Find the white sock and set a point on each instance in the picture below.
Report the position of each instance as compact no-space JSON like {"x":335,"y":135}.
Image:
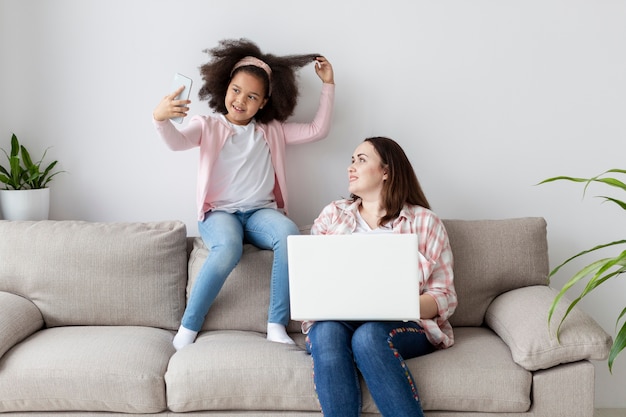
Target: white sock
{"x":278,"y":333}
{"x":184,"y":337}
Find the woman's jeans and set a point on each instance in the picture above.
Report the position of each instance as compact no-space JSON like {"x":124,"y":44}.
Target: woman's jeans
{"x":377,"y":349}
{"x":223,"y":234}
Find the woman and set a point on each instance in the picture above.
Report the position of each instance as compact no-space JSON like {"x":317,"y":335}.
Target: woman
{"x":386,"y":197}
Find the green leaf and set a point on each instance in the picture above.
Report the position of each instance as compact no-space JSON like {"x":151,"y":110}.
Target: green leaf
{"x":619,"y":260}
{"x":575,"y":279}
{"x":612,"y":182}
{"x":15,"y":145}
{"x":606,"y":245}
{"x":620,"y":317}
{"x":28,"y":162}
{"x":614,"y":200}
{"x":602,"y":266}
{"x":618,"y":344}
{"x":563,"y":178}
{"x":46,"y":176}
{"x":5,"y":180}
{"x":609,"y":181}
{"x":593,"y":284}
{"x":16,"y":173}
{"x":617,"y":170}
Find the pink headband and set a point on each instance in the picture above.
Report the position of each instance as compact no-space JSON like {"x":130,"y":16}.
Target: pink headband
{"x":250,"y":60}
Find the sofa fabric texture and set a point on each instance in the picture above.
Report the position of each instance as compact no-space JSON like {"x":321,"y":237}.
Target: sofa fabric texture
{"x":88,"y":312}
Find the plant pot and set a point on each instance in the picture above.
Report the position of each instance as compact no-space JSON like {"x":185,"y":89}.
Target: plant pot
{"x":25,"y":204}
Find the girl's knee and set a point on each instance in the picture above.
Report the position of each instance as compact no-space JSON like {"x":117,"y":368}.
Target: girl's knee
{"x":231,"y":249}
{"x":225,"y":254}
{"x":287,"y":228}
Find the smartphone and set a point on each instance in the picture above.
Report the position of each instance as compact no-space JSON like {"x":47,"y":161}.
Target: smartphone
{"x":180,"y":79}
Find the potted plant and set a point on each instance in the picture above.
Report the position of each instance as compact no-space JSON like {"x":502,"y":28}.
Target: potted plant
{"x":601,"y":270}
{"x":25,"y":195}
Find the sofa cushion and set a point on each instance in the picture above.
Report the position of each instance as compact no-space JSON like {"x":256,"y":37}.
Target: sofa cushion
{"x":19,"y":318}
{"x":475,"y":374}
{"x":492,"y":257}
{"x":87,"y":368}
{"x":516,"y":315}
{"x":235,"y":370}
{"x":97,"y":273}
{"x":243,"y":301}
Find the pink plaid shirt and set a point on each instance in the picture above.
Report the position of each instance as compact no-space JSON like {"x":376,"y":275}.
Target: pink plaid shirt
{"x":339,"y":217}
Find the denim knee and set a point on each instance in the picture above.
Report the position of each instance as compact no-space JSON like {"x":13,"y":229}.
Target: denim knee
{"x":328,"y":336}
{"x":370,"y":338}
{"x":289,"y":228}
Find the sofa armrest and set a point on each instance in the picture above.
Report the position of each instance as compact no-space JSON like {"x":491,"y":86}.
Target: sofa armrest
{"x":520,"y":318}
{"x":19,"y":318}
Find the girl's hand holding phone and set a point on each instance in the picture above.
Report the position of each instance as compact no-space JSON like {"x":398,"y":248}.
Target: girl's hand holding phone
{"x":170,"y":107}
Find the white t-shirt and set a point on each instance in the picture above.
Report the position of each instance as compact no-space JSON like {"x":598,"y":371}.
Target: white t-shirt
{"x":243,"y":176}
{"x":363,"y":227}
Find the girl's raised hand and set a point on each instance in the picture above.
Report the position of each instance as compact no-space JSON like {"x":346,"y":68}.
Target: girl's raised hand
{"x":324,"y":70}
{"x":169,"y":108}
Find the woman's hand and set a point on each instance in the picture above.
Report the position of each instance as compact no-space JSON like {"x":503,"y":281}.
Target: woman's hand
{"x":324,"y":70}
{"x":169,"y":108}
{"x":428,"y":307}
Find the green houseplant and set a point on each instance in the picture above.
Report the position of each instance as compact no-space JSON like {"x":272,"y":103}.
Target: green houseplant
{"x":601,"y":270}
{"x":22,"y":173}
{"x":26,"y":195}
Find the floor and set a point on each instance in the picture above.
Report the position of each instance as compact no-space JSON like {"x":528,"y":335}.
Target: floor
{"x":610,"y":412}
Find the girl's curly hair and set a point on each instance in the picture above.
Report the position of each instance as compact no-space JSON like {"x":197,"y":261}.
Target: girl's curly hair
{"x":217,"y":75}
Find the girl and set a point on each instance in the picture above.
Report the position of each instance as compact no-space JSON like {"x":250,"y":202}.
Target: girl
{"x":385,"y":198}
{"x":241,"y":191}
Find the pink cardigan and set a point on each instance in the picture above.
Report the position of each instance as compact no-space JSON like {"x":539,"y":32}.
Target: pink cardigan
{"x":210,"y":133}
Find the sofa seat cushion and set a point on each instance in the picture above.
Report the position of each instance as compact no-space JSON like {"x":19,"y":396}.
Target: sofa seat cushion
{"x":113,"y":369}
{"x":234,"y":370}
{"x":476,"y":374}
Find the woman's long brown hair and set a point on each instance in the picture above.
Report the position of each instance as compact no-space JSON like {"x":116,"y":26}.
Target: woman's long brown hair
{"x":402,"y":186}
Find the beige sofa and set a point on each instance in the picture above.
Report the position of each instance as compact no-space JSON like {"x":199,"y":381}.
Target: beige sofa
{"x":88,"y":312}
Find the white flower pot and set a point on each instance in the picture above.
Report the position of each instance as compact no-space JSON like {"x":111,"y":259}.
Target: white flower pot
{"x":25,"y":204}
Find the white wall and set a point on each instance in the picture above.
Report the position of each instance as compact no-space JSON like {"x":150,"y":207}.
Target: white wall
{"x":487,"y":97}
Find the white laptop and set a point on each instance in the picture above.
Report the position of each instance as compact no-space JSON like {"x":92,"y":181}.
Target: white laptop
{"x":361,"y":277}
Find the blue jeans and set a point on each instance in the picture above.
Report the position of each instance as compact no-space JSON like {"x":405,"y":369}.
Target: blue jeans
{"x":224,"y":233}
{"x":377,"y":350}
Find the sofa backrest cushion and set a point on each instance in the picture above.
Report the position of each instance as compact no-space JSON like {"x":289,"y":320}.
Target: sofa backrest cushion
{"x":492,"y":257}
{"x":243,"y":301}
{"x":81,"y":273}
